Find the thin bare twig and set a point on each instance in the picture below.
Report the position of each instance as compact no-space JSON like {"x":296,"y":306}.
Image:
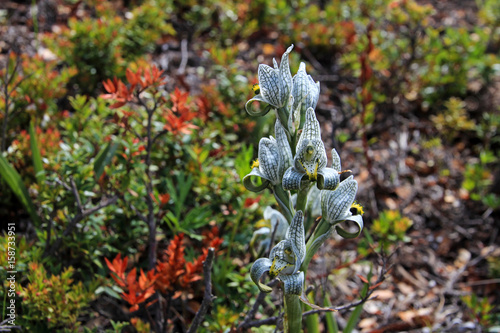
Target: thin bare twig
{"x":76,"y":194}
{"x":259,"y":323}
{"x":49,"y":227}
{"x":448,"y":288}
{"x":184,"y":57}
{"x":158,"y":135}
{"x":150,"y":218}
{"x":273,"y":236}
{"x":7,"y":80}
{"x":138,"y":213}
{"x":77,"y":218}
{"x":262,"y":295}
{"x":208,"y":297}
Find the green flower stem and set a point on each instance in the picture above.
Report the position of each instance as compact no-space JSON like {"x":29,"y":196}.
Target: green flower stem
{"x":293,"y":314}
{"x":321,"y":229}
{"x":302,"y":198}
{"x":283,"y":117}
{"x":283,"y":199}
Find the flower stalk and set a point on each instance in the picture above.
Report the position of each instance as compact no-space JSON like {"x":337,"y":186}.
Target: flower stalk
{"x":293,"y":314}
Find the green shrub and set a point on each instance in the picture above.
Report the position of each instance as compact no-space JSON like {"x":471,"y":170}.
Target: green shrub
{"x":52,"y":302}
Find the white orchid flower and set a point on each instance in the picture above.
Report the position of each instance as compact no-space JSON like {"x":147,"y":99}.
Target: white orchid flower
{"x":275,"y":156}
{"x":275,"y":85}
{"x":310,"y":160}
{"x":275,"y":223}
{"x":285,"y":260}
{"x":305,"y":92}
{"x":335,"y":206}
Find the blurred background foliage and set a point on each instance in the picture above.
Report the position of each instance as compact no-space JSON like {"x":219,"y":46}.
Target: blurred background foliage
{"x":74,"y":172}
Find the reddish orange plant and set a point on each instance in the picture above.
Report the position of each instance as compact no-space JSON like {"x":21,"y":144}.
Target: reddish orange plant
{"x":171,"y":277}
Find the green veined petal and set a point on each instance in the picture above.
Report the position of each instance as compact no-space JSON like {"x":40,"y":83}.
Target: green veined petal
{"x":296,"y":236}
{"x":328,"y":179}
{"x":250,"y":184}
{"x":358,"y":219}
{"x":283,"y":145}
{"x":259,"y":267}
{"x":335,"y":204}
{"x":258,"y":112}
{"x":311,"y":130}
{"x":270,"y":160}
{"x":269,"y":83}
{"x":285,"y":76}
{"x":292,"y":179}
{"x":336,"y":161}
{"x":293,"y":284}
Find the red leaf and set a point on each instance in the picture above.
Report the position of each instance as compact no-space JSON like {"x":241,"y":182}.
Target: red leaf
{"x":362,"y":278}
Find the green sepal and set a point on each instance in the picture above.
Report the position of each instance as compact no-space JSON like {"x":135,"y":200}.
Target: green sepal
{"x":257,"y":112}
{"x":259,"y":267}
{"x":358,"y":219}
{"x":293,"y":284}
{"x":250,"y":184}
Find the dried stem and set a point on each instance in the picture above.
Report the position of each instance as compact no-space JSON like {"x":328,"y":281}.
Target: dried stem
{"x":7,"y":81}
{"x":184,"y":57}
{"x":77,"y":218}
{"x":262,"y":295}
{"x":150,"y":218}
{"x":208,"y":297}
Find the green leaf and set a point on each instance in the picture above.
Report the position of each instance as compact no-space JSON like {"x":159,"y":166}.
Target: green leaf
{"x":113,"y":292}
{"x":356,"y":313}
{"x":13,"y":179}
{"x":104,"y":158}
{"x":243,"y":160}
{"x":312,"y":321}
{"x":179,"y":194}
{"x":172,"y":221}
{"x":331,"y":323}
{"x":35,"y":154}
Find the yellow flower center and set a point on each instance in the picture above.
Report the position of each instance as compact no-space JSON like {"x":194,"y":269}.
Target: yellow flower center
{"x":263,"y":224}
{"x":277,"y":266}
{"x":313,"y":176}
{"x":256,"y":89}
{"x":255,"y":164}
{"x":357,"y":209}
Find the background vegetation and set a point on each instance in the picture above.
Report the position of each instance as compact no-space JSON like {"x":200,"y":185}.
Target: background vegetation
{"x":124,"y":141}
